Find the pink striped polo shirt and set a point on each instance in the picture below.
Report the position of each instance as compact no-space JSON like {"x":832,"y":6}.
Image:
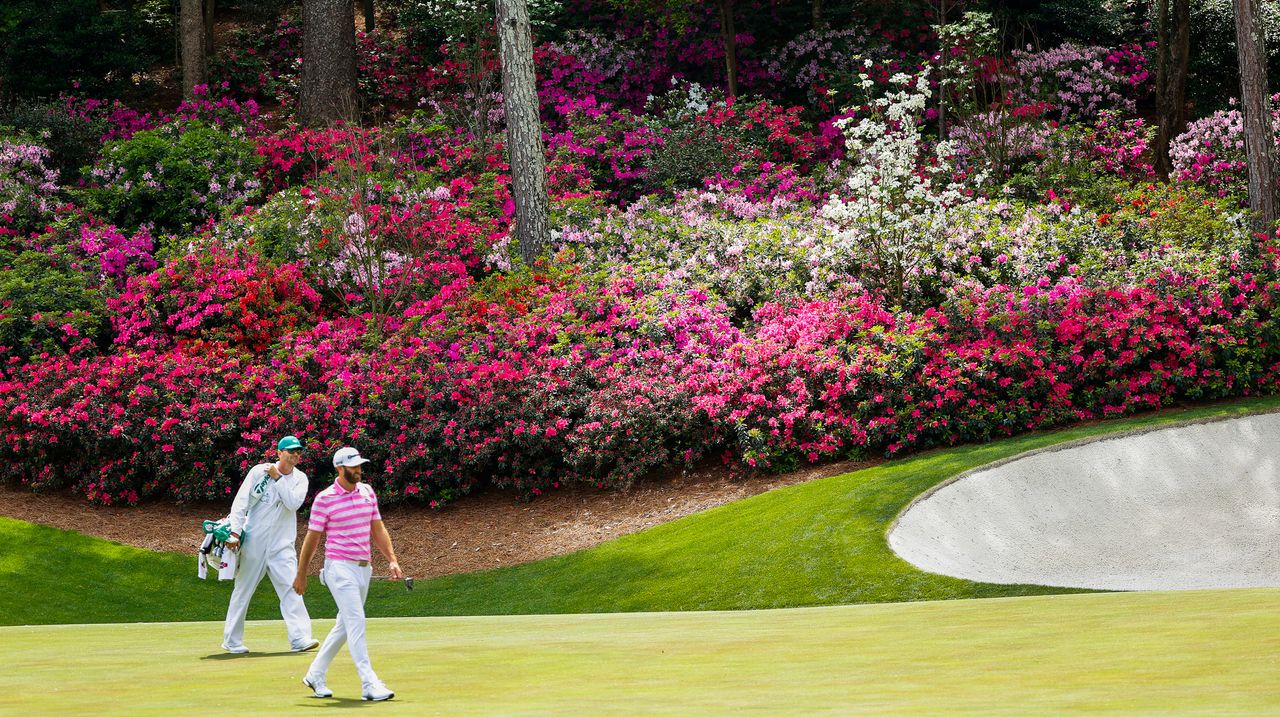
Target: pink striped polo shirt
{"x":344,"y":516}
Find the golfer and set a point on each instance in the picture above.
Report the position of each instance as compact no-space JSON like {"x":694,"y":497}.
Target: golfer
{"x":347,"y":513}
{"x":264,"y":528}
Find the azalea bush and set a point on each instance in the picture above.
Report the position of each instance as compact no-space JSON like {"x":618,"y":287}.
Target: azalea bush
{"x":743,"y":252}
{"x":72,"y":141}
{"x":174,"y":177}
{"x":531,"y":381}
{"x":606,"y":65}
{"x":28,"y":185}
{"x":704,"y":134}
{"x":49,"y":305}
{"x":1081,"y":81}
{"x":607,"y":149}
{"x":105,"y":252}
{"x":264,"y":68}
{"x":1210,"y":152}
{"x":824,"y":64}
{"x":1090,"y":162}
{"x":214,"y":296}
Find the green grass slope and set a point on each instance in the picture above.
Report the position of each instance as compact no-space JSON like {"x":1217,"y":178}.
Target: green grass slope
{"x":1190,"y":653}
{"x":817,"y":543}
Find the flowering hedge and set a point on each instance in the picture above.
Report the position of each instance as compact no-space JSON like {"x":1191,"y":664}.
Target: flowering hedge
{"x":529,"y":383}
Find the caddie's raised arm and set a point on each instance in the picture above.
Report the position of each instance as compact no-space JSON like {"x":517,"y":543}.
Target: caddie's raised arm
{"x":240,"y":506}
{"x":292,"y":490}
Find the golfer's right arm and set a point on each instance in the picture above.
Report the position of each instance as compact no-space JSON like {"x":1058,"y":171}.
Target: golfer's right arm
{"x":309,"y":545}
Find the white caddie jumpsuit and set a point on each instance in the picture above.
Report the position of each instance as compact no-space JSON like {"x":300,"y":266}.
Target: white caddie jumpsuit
{"x":269,"y":510}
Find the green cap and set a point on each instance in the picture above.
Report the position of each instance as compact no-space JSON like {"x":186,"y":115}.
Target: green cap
{"x":289,"y":443}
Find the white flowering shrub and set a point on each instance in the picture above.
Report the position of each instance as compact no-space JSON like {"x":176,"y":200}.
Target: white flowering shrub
{"x":899,"y":196}
{"x":741,"y":251}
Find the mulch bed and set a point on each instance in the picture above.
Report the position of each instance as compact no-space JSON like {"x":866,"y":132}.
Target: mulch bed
{"x":486,"y":530}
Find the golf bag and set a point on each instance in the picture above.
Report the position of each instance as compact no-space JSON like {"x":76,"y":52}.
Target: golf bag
{"x":214,"y":552}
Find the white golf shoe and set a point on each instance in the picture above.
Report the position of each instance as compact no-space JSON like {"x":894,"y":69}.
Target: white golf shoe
{"x":317,"y":685}
{"x":308,"y":645}
{"x":377,"y":692}
{"x":235,"y":649}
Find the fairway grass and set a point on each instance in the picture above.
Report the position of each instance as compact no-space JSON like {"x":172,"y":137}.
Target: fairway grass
{"x":1187,"y":653}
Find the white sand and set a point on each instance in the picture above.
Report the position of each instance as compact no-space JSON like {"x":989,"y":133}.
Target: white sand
{"x":1194,"y":506}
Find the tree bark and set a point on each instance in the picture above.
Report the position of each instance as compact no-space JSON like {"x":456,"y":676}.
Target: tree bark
{"x":730,"y":37}
{"x":1173,"y":55}
{"x":208,"y":27}
{"x":1255,"y":103}
{"x":943,"y":55}
{"x":816,"y":6}
{"x":194,"y":72}
{"x":368,"y":16}
{"x":328,"y":91}
{"x":524,"y":130}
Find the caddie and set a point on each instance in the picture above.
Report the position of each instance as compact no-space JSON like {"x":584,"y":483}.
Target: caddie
{"x":264,"y":530}
{"x":346,"y":513}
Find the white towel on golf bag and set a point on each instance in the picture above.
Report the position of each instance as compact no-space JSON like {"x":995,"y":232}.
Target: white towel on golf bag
{"x":216,"y":555}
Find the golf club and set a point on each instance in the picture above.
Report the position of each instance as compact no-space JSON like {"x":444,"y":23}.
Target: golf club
{"x":408,"y":581}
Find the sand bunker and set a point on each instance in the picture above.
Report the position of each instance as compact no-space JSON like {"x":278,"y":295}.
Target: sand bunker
{"x":1194,"y":506}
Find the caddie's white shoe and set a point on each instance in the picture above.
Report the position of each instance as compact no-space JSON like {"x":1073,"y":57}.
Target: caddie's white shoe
{"x":317,"y":685}
{"x":377,"y":692}
{"x":235,"y":649}
{"x":307,"y":645}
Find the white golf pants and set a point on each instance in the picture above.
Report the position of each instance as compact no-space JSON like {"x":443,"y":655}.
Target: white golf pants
{"x":282,"y":566}
{"x":349,"y":584}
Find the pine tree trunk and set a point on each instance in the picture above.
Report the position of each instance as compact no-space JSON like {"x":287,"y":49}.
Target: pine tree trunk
{"x":209,"y":6}
{"x":943,"y":56}
{"x":524,"y":130}
{"x":191,"y":18}
{"x":1173,"y":55}
{"x":1255,"y":103}
{"x":730,"y":37}
{"x":816,"y":7}
{"x":328,"y":92}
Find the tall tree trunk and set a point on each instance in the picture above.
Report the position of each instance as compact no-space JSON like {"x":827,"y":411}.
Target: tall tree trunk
{"x":524,"y":130}
{"x":816,"y":6}
{"x":730,"y":37}
{"x":328,"y":92}
{"x":1173,"y":55}
{"x":191,"y":18}
{"x":944,"y":54}
{"x":208,"y":27}
{"x":368,"y":16}
{"x":1255,"y":103}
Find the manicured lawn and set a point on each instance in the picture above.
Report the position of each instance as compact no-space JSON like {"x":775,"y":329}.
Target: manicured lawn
{"x":1188,"y":653}
{"x":818,"y":543}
